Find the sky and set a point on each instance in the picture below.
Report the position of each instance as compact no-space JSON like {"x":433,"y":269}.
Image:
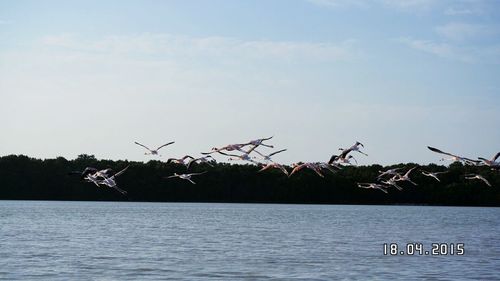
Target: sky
{"x":94,"y":76}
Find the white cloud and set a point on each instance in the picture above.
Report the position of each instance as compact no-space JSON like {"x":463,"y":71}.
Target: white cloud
{"x":214,"y":47}
{"x":458,"y":31}
{"x":467,"y":7}
{"x":439,"y":49}
{"x":475,"y":54}
{"x":455,"y":11}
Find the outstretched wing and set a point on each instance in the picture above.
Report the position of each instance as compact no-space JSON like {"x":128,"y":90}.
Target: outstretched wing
{"x":344,"y":153}
{"x":196,"y":174}
{"x":264,"y":139}
{"x":276,"y":152}
{"x":409,"y":171}
{"x":251,"y":149}
{"x":120,"y":190}
{"x":381,"y":188}
{"x":227,"y":154}
{"x":142,"y":145}
{"x":470,"y":161}
{"x":440,"y":151}
{"x":332,"y":159}
{"x":485,"y":180}
{"x":191,"y":162}
{"x":165,"y":145}
{"x":283,"y":169}
{"x":496,"y":157}
{"x":121,"y":172}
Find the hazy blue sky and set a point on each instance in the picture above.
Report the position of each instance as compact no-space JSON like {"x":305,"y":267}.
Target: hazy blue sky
{"x":95,"y":76}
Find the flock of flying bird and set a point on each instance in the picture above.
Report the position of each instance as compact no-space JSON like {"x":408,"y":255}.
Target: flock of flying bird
{"x":248,"y":152}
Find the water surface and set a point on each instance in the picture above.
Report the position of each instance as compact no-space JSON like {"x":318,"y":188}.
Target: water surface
{"x":50,"y":240}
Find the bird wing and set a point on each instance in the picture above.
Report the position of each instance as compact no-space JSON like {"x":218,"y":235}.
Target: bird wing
{"x":296,"y":169}
{"x":191,"y":162}
{"x":409,"y":171}
{"x":434,"y":176}
{"x":195,"y":174}
{"x":354,"y":159}
{"x":283,"y":169}
{"x":142,"y":145}
{"x":470,"y":161}
{"x":276,"y":152}
{"x":165,"y":145}
{"x":227,"y":154}
{"x":332,"y":159}
{"x":264,"y":139}
{"x":496,"y":157}
{"x":252,"y":149}
{"x":265,"y":167}
{"x":120,"y":190}
{"x":187,"y":156}
{"x":442,"y":152}
{"x":318,"y":172}
{"x":381,"y":188}
{"x":121,"y":172}
{"x":262,"y":155}
{"x":344,"y":152}
{"x":485,"y":180}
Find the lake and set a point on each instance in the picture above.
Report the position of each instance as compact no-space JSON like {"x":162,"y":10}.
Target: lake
{"x":52,"y":240}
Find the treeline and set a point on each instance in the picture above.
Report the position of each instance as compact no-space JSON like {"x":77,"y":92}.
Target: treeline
{"x":25,"y":178}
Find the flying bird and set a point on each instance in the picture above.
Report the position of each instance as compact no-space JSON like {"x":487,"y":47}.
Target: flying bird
{"x":373,"y":186}
{"x":392,"y":182}
{"x":229,"y":147}
{"x":454,"y":158}
{"x":153,"y":151}
{"x":92,"y":178}
{"x":478,"y":177}
{"x":181,"y":161}
{"x":185,"y":176}
{"x":405,"y":177}
{"x":433,"y":175}
{"x":354,"y":147}
{"x":245,"y":156}
{"x":208,"y":159}
{"x":83,"y":174}
{"x":275,"y":166}
{"x":391,"y":172}
{"x":299,"y":166}
{"x":330,"y":167}
{"x":258,"y":142}
{"x":268,"y":156}
{"x":111,"y":181}
{"x":493,"y":163}
{"x":342,"y":160}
